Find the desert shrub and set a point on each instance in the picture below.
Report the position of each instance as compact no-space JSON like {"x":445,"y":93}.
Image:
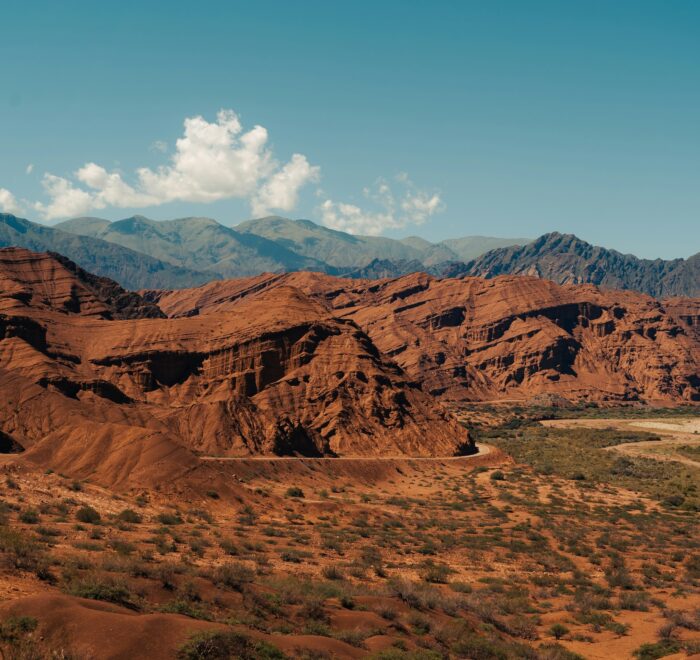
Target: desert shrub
{"x":437,"y":573}
{"x":634,"y":601}
{"x":313,"y":609}
{"x":692,"y":566}
{"x":477,"y":647}
{"x":294,"y":556}
{"x":186,"y":608}
{"x":87,"y":514}
{"x":684,"y":619}
{"x":226,"y":646}
{"x":370,"y":556}
{"x":233,"y":575}
{"x":229,"y":547}
{"x":295,"y":491}
{"x":558,"y":630}
{"x":420,"y":596}
{"x":169,"y":519}
{"x":29,"y":516}
{"x":123,"y":547}
{"x":129,"y":516}
{"x":15,"y":627}
{"x":397,"y":654}
{"x":348,"y":602}
{"x":657,"y":650}
{"x":555,"y":651}
{"x":332,"y":572}
{"x":96,"y":587}
{"x":166,"y":573}
{"x":21,"y":552}
{"x":519,"y":625}
{"x":420,"y":625}
{"x":497,"y":475}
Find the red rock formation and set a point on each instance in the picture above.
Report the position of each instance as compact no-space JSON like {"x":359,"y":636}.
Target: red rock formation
{"x":510,"y":337}
{"x":132,"y":400}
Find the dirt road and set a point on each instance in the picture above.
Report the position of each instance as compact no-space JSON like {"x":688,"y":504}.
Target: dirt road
{"x":483,"y":451}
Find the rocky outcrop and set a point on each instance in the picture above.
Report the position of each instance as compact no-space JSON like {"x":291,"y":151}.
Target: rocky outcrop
{"x":52,"y":281}
{"x":509,"y":337}
{"x":94,"y":381}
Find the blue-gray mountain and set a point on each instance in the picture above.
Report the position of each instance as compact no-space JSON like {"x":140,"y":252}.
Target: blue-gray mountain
{"x":566,"y":259}
{"x":132,"y":269}
{"x":146,"y":254}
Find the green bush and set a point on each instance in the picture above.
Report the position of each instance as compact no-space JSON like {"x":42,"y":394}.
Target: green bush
{"x":558,"y":630}
{"x":295,"y":491}
{"x":657,"y":650}
{"x":87,"y":514}
{"x":233,"y":575}
{"x":129,"y":516}
{"x":111,"y":590}
{"x":169,"y":519}
{"x":21,"y":552}
{"x":226,"y":646}
{"x":15,"y":627}
{"x":29,"y":516}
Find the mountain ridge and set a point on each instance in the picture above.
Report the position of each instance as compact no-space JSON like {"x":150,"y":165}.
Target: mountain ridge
{"x":132,"y":269}
{"x":566,"y":259}
{"x":184,"y":252}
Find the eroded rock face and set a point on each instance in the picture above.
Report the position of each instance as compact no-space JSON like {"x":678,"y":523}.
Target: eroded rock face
{"x":88,"y":390}
{"x":508,"y":337}
{"x":51,"y":281}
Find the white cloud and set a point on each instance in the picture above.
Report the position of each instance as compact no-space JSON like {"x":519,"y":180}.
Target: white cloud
{"x":30,"y":168}
{"x":66,"y":200}
{"x":212,"y":161}
{"x":411,"y":207}
{"x":159,"y":145}
{"x":8,"y":202}
{"x":281,"y":190}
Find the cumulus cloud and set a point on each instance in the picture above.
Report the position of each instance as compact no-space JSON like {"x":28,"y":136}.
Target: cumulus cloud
{"x":392,"y":210}
{"x":281,"y":190}
{"x":8,"y":202}
{"x":212,"y":161}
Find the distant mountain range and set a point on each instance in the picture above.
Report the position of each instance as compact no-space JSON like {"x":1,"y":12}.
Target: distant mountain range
{"x":147,"y":254}
{"x":566,"y":259}
{"x":132,"y":269}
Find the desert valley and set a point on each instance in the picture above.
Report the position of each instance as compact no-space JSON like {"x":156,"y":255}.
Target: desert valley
{"x":350,"y":330}
{"x":303,"y":465}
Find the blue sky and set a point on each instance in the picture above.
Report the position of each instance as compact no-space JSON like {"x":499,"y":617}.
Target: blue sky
{"x":439,"y":119}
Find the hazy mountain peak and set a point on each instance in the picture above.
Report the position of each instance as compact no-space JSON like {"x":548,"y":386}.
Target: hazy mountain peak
{"x":567,"y":259}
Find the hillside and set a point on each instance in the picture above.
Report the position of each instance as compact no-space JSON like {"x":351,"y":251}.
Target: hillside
{"x":566,"y":259}
{"x":196,"y":243}
{"x":130,"y":268}
{"x":347,"y":251}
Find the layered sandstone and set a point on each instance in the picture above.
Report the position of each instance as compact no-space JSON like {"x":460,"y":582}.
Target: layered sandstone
{"x":93,"y":385}
{"x":508,"y":337}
